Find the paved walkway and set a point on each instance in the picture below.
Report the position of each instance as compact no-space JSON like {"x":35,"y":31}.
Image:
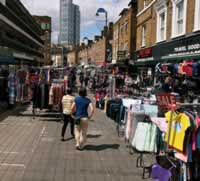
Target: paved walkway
{"x":31,"y":150}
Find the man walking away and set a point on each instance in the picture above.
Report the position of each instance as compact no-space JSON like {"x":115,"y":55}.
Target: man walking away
{"x":67,"y":102}
{"x":80,"y":108}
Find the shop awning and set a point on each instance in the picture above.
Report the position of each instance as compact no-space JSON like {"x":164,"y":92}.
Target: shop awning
{"x":177,"y":59}
{"x":168,"y":59}
{"x":145,"y":63}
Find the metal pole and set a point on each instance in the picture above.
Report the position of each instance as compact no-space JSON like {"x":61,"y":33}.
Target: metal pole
{"x":106,"y":13}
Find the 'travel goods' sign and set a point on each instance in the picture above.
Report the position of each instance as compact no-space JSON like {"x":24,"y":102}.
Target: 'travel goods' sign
{"x":166,"y":100}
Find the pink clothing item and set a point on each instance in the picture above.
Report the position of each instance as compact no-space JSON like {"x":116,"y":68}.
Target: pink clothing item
{"x":161,"y":123}
{"x":129,"y":125}
{"x":182,"y":156}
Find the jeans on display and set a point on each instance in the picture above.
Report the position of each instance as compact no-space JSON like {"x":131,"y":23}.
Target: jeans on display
{"x":67,"y":119}
{"x":115,"y":111}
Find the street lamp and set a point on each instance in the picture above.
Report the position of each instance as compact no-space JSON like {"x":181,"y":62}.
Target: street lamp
{"x":86,"y":38}
{"x":102,"y":10}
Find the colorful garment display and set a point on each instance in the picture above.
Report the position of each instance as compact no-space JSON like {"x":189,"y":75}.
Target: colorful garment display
{"x":176,"y":131}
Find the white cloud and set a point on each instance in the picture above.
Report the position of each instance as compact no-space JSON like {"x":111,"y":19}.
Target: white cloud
{"x":88,"y":10}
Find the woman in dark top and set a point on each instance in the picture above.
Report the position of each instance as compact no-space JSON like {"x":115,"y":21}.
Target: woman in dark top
{"x":80,"y":108}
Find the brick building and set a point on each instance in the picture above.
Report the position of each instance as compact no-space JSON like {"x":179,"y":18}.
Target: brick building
{"x":167,"y":30}
{"x":98,"y":53}
{"x":72,"y":57}
{"x":83,"y":55}
{"x":124,"y":34}
{"x":45,"y":24}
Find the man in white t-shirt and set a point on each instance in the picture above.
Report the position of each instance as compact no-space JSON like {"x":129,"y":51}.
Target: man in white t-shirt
{"x":67,"y":102}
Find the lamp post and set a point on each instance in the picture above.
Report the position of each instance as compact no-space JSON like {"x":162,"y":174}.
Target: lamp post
{"x":86,"y":38}
{"x":102,"y":10}
{"x":99,"y":11}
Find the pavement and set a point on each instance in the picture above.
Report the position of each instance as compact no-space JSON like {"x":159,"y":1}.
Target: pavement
{"x":31,"y":150}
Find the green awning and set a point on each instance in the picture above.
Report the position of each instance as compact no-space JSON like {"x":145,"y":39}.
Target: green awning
{"x":149,"y":63}
{"x":174,"y":59}
{"x":177,"y":59}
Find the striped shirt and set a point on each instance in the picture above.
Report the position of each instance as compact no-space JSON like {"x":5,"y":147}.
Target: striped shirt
{"x":67,"y":104}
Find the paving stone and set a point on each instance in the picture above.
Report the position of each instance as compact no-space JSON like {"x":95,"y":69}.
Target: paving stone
{"x":31,"y":150}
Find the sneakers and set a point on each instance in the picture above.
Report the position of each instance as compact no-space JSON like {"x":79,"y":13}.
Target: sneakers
{"x":79,"y":148}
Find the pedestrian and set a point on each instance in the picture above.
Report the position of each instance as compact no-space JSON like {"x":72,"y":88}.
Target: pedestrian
{"x":80,"y":108}
{"x":67,"y":102}
{"x":81,"y":78}
{"x":86,"y":80}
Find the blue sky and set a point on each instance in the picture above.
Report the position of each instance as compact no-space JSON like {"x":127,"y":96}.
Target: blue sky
{"x":90,"y":24}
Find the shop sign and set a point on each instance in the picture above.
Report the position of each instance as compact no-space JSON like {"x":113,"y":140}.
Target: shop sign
{"x":145,"y":53}
{"x":183,"y":47}
{"x":121,"y":55}
{"x":166,"y":100}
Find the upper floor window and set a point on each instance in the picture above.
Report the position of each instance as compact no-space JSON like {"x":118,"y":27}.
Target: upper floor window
{"x":143,"y":35}
{"x":179,"y":17}
{"x":126,"y":26}
{"x":43,"y":26}
{"x":47,"y":26}
{"x":145,"y":3}
{"x":3,"y":2}
{"x":197,"y":16}
{"x":161,"y":9}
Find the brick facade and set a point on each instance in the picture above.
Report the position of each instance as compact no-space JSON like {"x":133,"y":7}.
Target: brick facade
{"x":148,"y":17}
{"x":124,"y":34}
{"x":45,"y":23}
{"x":72,"y":58}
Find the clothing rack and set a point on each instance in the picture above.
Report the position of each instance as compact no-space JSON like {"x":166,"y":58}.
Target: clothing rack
{"x":173,"y":108}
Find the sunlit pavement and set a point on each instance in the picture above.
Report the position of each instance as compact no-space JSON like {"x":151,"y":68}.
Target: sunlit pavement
{"x":31,"y":150}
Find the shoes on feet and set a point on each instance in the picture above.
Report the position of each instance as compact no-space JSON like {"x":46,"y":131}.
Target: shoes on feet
{"x":62,"y":139}
{"x":79,"y":148}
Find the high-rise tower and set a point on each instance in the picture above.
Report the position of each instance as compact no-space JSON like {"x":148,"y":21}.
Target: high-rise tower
{"x":69,"y":23}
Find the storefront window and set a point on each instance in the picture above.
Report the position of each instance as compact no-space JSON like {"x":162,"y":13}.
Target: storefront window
{"x":197,"y":16}
{"x":179,"y":17}
{"x":143,"y":35}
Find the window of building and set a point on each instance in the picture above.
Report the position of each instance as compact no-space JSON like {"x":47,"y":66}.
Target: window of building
{"x":43,"y":26}
{"x":145,"y":4}
{"x":161,"y":25}
{"x":3,"y":2}
{"x":121,"y":29}
{"x":47,"y":26}
{"x":179,"y":17}
{"x":126,"y":26}
{"x":143,"y":35}
{"x":197,"y":16}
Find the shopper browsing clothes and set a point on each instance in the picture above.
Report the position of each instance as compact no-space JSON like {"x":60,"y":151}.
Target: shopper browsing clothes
{"x":67,"y":102}
{"x":80,"y":108}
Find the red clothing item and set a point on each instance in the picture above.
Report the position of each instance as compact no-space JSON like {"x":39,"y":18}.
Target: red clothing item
{"x":187,"y":67}
{"x":97,"y":96}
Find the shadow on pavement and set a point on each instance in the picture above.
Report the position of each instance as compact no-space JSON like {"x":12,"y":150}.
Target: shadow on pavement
{"x":68,"y":139}
{"x":51,"y":120}
{"x":101,"y":147}
{"x":94,"y":136}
